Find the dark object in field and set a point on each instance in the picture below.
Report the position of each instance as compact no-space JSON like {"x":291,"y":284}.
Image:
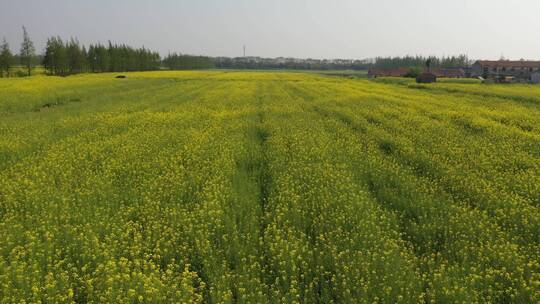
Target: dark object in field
{"x":121,"y":76}
{"x":426,"y":77}
{"x":505,"y":79}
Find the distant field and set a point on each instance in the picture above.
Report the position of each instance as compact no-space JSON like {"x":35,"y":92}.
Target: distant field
{"x":344,"y":73}
{"x":18,"y":71}
{"x":261,"y":187}
{"x":341,"y":73}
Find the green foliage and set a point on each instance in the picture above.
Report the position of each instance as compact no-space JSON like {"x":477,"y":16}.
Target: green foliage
{"x":6,"y":59}
{"x":249,"y":187}
{"x":420,"y":61}
{"x":413,"y":72}
{"x":56,"y":59}
{"x":28,"y":52}
{"x":77,"y":57}
{"x":258,"y":63}
{"x":188,"y":62}
{"x":70,"y":58}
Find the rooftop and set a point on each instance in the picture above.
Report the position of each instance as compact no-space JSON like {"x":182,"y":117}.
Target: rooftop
{"x":509,"y":63}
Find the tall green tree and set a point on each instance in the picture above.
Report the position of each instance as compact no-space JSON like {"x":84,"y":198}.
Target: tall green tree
{"x":76,"y":58}
{"x":92,"y":59}
{"x":61,"y":58}
{"x":56,"y":59}
{"x":84,"y":54}
{"x":186,"y":62}
{"x":6,"y":58}
{"x":71,"y":58}
{"x":103,"y":58}
{"x":48,"y":57}
{"x":28,"y":52}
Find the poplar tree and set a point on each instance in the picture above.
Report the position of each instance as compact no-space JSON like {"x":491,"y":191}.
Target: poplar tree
{"x":49,"y":58}
{"x":76,"y":58}
{"x":91,"y":58}
{"x":70,"y":58}
{"x":103,"y":58}
{"x":57,"y":60}
{"x":28,"y":52}
{"x":84,"y":54}
{"x":186,"y":62}
{"x":61,"y":58}
{"x":6,"y":58}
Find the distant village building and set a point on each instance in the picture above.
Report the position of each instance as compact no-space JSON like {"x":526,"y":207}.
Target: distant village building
{"x":398,"y":72}
{"x":521,"y":69}
{"x":535,"y":78}
{"x":402,"y":72}
{"x":449,"y":72}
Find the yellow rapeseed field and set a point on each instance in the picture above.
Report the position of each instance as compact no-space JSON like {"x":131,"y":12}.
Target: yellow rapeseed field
{"x":252,"y":187}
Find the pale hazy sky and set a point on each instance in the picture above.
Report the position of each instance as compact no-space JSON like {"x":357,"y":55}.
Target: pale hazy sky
{"x":290,"y":28}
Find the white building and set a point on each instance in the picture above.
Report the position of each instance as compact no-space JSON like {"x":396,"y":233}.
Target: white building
{"x":535,"y":78}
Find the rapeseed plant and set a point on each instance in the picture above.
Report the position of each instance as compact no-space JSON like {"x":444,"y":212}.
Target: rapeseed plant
{"x":248,"y":187}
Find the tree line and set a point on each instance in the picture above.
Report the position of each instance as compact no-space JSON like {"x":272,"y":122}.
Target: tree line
{"x":69,"y":57}
{"x":62,"y":58}
{"x":419,"y":61}
{"x":26,"y":55}
{"x":259,"y":63}
{"x":176,"y":61}
{"x":339,"y":64}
